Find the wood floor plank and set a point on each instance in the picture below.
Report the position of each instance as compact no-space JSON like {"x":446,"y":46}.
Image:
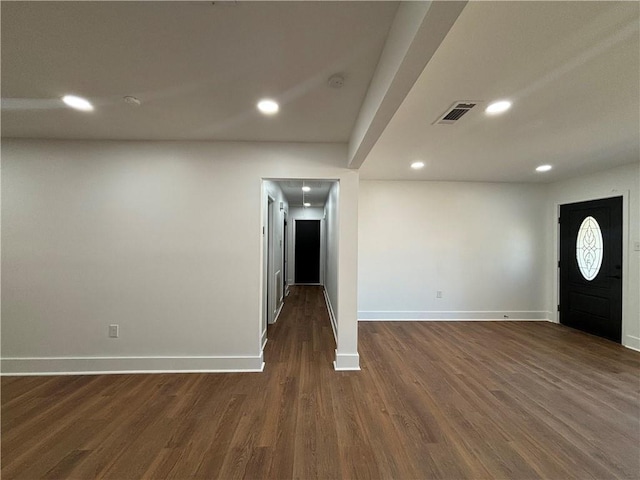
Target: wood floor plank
{"x":446,"y":400}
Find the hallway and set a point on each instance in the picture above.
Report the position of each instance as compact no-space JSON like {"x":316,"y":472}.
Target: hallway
{"x":433,"y":400}
{"x":302,"y":334}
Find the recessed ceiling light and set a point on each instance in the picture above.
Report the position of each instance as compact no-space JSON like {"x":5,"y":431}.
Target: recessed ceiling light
{"x":543,"y":168}
{"x":498,"y":107}
{"x":306,"y":204}
{"x":268,"y":107}
{"x":78,"y":103}
{"x":306,"y":189}
{"x":417,"y":165}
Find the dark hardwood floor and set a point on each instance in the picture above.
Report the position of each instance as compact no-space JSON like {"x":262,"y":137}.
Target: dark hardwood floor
{"x":433,"y":400}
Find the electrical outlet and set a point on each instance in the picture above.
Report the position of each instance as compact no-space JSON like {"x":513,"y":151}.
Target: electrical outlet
{"x":114,"y":331}
{"x":505,"y":316}
{"x":439,"y":294}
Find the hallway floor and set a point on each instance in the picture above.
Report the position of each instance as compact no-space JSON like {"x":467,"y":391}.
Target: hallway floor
{"x":433,"y":400}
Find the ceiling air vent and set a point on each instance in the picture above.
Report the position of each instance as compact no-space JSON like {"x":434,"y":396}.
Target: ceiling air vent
{"x":454,"y":113}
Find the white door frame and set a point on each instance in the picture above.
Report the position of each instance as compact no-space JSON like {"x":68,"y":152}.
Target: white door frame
{"x":267,"y":260}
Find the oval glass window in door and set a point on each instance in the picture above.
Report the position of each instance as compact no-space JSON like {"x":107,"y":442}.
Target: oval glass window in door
{"x":589,"y":248}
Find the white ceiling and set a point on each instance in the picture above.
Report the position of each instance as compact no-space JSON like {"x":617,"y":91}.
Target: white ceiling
{"x":317,"y":197}
{"x":570,"y":68}
{"x":572,"y":72}
{"x":198,"y":68}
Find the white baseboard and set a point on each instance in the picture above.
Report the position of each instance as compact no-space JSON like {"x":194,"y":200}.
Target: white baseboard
{"x":346,"y":362}
{"x":120,"y":365}
{"x":632,"y":342}
{"x":275,"y":318}
{"x":332,"y":316}
{"x":451,"y":316}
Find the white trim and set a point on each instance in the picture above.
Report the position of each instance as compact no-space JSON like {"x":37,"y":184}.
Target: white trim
{"x":332,"y":316}
{"x":633,"y":343}
{"x":278,"y":301}
{"x":451,"y":316}
{"x":346,"y":362}
{"x":269,"y":240}
{"x":116,"y":365}
{"x":275,"y":318}
{"x":264,"y":339}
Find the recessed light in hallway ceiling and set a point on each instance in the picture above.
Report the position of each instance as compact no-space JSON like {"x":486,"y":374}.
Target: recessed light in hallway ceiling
{"x":543,"y":168}
{"x":417,"y":165}
{"x":268,"y":106}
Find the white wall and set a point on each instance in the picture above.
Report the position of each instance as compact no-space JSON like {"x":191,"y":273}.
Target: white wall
{"x":481,"y":244}
{"x":331,"y":259}
{"x":301,"y":213}
{"x":623,"y":181}
{"x":492,"y":249}
{"x":162,"y":238}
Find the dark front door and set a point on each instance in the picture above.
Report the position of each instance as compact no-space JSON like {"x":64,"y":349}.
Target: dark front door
{"x":307,"y":252}
{"x":591,"y":267}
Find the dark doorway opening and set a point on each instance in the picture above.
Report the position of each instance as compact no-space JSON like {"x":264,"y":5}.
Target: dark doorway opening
{"x":307,"y":251}
{"x":591,"y":267}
